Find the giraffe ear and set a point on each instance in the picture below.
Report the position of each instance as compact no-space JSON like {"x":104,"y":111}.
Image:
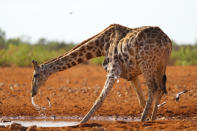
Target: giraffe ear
{"x":35,"y":64}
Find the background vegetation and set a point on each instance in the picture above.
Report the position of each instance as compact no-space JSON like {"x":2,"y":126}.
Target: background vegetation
{"x":16,"y":52}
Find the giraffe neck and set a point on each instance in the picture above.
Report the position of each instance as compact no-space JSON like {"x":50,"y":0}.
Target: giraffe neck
{"x":96,"y":46}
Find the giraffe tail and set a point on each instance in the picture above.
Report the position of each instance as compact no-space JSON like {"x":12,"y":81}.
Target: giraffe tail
{"x":164,"y":79}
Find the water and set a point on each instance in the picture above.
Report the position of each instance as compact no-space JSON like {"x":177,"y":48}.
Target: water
{"x":63,"y":121}
{"x":41,"y":123}
{"x":57,"y":121}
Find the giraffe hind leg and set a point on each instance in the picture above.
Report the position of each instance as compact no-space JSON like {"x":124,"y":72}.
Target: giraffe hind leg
{"x":148,"y":105}
{"x":152,"y":89}
{"x":158,"y":96}
{"x":156,"y":89}
{"x":155,"y":108}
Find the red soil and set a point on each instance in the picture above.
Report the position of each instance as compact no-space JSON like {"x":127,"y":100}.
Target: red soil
{"x":72,"y":92}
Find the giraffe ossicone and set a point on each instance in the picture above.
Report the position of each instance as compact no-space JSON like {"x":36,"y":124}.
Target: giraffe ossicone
{"x":128,"y":53}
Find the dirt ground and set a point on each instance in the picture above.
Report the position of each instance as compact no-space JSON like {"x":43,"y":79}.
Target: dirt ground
{"x":72,"y":93}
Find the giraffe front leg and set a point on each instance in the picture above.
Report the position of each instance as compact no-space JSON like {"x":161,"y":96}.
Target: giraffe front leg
{"x":136,"y":85}
{"x":107,"y":87}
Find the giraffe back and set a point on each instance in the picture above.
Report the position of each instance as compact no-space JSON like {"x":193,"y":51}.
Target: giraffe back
{"x":148,"y":46}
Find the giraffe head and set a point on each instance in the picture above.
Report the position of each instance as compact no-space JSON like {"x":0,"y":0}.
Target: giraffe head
{"x":39,"y":77}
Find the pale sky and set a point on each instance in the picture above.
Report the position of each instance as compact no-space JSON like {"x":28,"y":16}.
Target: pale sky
{"x":77,"y":20}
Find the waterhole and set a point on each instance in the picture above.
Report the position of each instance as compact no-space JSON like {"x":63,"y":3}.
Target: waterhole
{"x":57,"y":121}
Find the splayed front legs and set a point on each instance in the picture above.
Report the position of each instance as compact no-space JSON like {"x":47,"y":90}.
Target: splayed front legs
{"x":107,"y":87}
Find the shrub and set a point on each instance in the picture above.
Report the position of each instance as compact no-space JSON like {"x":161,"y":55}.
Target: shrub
{"x":16,"y":52}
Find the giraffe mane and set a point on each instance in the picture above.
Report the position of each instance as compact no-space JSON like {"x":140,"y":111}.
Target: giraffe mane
{"x":78,"y":45}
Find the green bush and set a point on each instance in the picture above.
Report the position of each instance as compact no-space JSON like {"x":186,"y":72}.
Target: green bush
{"x":16,"y":52}
{"x":185,"y":55}
{"x":97,"y":61}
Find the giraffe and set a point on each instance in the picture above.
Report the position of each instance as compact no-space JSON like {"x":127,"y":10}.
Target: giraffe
{"x":128,"y":53}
